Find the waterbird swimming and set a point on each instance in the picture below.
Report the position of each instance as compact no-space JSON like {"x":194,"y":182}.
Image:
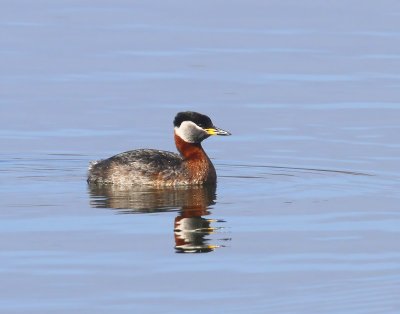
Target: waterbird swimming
{"x":161,"y":168}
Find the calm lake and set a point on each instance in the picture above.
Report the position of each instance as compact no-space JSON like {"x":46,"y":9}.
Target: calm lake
{"x":305,"y":217}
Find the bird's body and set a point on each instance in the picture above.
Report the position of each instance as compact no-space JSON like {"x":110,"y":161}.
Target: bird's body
{"x":161,"y":168}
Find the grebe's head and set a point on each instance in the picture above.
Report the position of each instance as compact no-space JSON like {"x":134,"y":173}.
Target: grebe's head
{"x":194,"y":127}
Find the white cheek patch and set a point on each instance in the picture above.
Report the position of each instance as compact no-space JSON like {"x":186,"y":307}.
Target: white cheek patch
{"x":190,"y":132}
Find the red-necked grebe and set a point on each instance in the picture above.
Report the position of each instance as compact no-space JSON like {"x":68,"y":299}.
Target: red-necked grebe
{"x":161,"y":168}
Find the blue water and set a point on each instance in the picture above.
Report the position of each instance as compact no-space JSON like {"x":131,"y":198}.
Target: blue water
{"x":305,"y":217}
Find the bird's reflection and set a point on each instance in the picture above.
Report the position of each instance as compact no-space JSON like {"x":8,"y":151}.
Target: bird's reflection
{"x":191,"y":229}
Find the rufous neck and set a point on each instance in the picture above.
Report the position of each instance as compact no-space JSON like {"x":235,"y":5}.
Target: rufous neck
{"x":189,"y":151}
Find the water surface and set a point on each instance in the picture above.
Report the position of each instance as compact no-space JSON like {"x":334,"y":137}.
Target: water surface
{"x":305,"y":216}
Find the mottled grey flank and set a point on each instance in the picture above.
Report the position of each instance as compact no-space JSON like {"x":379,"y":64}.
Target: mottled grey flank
{"x":138,"y":167}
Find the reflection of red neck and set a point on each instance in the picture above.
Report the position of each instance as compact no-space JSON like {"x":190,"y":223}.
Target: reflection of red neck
{"x":193,"y":211}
